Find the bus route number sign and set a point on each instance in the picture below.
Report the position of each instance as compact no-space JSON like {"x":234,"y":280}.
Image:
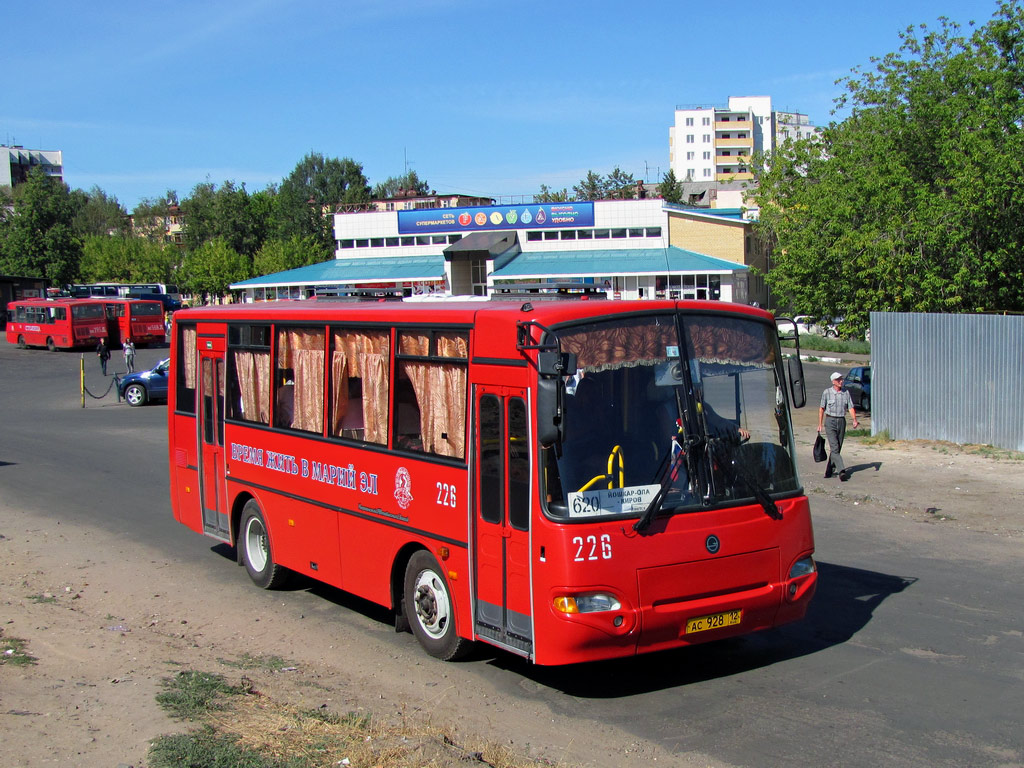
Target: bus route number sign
{"x":611,"y":501}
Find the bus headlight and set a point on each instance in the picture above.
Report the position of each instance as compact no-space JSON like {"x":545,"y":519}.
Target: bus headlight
{"x":593,"y":602}
{"x":802,"y":567}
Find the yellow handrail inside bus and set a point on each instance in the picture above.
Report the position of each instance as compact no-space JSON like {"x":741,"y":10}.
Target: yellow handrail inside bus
{"x":610,"y":475}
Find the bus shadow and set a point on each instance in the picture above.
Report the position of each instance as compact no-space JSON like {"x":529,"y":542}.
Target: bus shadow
{"x":845,"y":601}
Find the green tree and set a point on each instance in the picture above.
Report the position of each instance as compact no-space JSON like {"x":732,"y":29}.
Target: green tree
{"x":127,"y":259}
{"x":590,"y":188}
{"x":151,"y":215}
{"x":281,"y":255}
{"x":620,"y":185}
{"x":38,"y":236}
{"x":911,"y":203}
{"x":211,"y":268}
{"x":671,"y":189}
{"x":308,"y":196}
{"x":390,"y":186}
{"x":100,"y":214}
{"x":551,"y":196}
{"x":227,"y":212}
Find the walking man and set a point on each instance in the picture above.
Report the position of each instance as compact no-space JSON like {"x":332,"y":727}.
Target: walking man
{"x":835,"y":402}
{"x":103,"y":353}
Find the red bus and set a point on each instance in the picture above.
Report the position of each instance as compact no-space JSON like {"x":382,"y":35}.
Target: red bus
{"x":143,"y":321}
{"x":566,"y":480}
{"x":56,"y":324}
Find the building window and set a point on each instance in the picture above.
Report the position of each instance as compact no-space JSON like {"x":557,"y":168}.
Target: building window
{"x":706,"y":121}
{"x":377,"y":242}
{"x":347,"y":243}
{"x":618,"y":233}
{"x":636,"y":232}
{"x":585,"y":234}
{"x":689,"y":155}
{"x":689,"y":138}
{"x":391,"y":241}
{"x":689,"y":121}
{"x":568,"y":234}
{"x":654,"y":231}
{"x":408,"y":241}
{"x":601,"y":234}
{"x":532,"y":237}
{"x":454,"y":238}
{"x":422,"y":240}
{"x":439,"y":239}
{"x":550,"y":235}
{"x":707,"y":155}
{"x":707,"y":138}
{"x":689,"y":174}
{"x":707,"y":172}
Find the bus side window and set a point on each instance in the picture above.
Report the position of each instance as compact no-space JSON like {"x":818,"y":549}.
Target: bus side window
{"x":358,"y":388}
{"x":300,"y":363}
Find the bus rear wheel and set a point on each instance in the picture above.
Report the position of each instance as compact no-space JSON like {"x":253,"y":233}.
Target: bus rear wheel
{"x":254,"y":549}
{"x":429,"y":609}
{"x":50,"y":345}
{"x":21,"y":342}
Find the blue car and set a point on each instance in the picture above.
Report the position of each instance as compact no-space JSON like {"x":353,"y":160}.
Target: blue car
{"x":139,"y":388}
{"x":858,"y":383}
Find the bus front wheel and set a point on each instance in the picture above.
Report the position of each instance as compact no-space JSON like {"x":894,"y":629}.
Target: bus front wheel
{"x":21,"y":342}
{"x":429,"y":609}
{"x":255,"y":552}
{"x":50,"y":345}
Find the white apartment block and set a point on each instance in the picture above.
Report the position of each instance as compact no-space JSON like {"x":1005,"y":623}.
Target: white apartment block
{"x":709,"y":144}
{"x":16,"y":162}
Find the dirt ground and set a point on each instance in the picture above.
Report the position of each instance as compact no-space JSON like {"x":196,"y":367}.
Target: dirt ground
{"x":104,"y":636}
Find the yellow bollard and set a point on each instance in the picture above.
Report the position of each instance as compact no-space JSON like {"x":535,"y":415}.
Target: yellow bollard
{"x":81,"y":377}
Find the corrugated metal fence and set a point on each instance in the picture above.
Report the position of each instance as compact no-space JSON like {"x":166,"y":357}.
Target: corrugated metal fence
{"x":948,"y":377}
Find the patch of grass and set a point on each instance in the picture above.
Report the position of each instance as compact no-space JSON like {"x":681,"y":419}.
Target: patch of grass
{"x":45,"y":597}
{"x":268,"y":663}
{"x":991,"y":452}
{"x":879,"y":439}
{"x":257,"y":732}
{"x":823,"y":344}
{"x":858,"y":433}
{"x":12,"y":651}
{"x":190,"y":695}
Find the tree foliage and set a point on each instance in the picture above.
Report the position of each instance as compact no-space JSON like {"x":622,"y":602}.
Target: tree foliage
{"x":913,"y":202}
{"x":671,"y":189}
{"x":100,"y":214}
{"x":226,"y":212}
{"x":308,"y":196}
{"x":127,"y":259}
{"x":280,"y":255}
{"x":618,"y":185}
{"x":392,"y":185}
{"x":149,"y":219}
{"x":211,"y":268}
{"x":547,"y":195}
{"x":38,"y":237}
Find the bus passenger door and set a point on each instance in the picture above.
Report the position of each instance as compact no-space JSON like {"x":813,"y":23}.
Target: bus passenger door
{"x":502,"y":603}
{"x":211,"y":437}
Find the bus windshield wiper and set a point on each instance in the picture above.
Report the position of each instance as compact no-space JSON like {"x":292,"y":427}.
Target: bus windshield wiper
{"x":763,"y":498}
{"x":667,"y":473}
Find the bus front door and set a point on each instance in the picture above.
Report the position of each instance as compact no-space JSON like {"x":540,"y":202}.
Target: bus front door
{"x":211,"y":437}
{"x":502,"y":605}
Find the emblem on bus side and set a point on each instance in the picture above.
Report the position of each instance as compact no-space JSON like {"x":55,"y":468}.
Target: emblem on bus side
{"x":403,"y":488}
{"x":711,"y":542}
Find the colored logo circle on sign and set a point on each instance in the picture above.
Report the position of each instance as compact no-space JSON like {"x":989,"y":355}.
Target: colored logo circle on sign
{"x":464,"y":219}
{"x":481,"y":219}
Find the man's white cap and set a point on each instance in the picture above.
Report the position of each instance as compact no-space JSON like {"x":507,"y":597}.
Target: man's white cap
{"x":836,"y":375}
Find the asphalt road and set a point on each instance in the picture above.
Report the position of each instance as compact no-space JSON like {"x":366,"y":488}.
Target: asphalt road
{"x":912,"y":654}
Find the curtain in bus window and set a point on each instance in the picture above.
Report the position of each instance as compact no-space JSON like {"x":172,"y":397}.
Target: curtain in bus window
{"x":300,"y":362}
{"x":339,"y":391}
{"x":375,"y":398}
{"x":188,"y":340}
{"x":614,"y":346}
{"x":253,"y":370}
{"x":362,"y":355}
{"x":452,"y":345}
{"x":441,"y":396}
{"x":729,"y":340}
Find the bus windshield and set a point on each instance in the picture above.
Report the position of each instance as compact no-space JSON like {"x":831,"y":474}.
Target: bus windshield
{"x":147,"y":308}
{"x":689,"y":408}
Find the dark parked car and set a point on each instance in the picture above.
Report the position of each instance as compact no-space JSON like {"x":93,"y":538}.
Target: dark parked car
{"x":858,"y":383}
{"x":139,"y":388}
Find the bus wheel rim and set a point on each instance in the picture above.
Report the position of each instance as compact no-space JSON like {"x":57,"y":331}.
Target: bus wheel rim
{"x":256,"y":545}
{"x":433,"y":609}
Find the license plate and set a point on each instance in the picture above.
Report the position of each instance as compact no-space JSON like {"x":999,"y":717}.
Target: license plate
{"x":714,"y":621}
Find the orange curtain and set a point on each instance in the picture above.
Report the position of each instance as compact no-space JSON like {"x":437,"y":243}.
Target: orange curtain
{"x":375,"y":398}
{"x":253,"y":371}
{"x":308,"y":365}
{"x":339,"y":390}
{"x":617,"y":346}
{"x":188,"y":356}
{"x":441,"y":396}
{"x":724,"y":340}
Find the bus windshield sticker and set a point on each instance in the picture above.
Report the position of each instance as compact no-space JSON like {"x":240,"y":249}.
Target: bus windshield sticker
{"x":611,"y":501}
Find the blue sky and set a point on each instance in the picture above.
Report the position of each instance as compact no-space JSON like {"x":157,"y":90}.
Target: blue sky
{"x":476,"y":96}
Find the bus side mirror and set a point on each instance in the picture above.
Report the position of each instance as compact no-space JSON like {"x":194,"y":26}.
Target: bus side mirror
{"x":797,"y":387}
{"x":552,"y":368}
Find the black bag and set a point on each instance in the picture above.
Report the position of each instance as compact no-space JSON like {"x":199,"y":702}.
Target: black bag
{"x":819,"y":449}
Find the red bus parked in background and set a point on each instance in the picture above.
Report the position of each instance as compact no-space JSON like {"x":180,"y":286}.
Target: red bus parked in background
{"x":566,"y":480}
{"x":59,"y":324}
{"x":143,"y":321}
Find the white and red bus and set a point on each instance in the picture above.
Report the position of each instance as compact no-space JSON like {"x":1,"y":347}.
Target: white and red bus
{"x":567,"y":480}
{"x":141,"y":320}
{"x":56,"y":324}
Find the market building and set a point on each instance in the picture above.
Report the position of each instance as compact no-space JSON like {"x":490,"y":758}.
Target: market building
{"x":631,"y":249}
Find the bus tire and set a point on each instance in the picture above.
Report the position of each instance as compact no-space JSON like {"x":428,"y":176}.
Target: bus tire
{"x":21,"y":342}
{"x":254,"y":547}
{"x":429,"y":609}
{"x":50,"y":345}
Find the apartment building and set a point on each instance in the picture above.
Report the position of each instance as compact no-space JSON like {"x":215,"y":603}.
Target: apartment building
{"x":16,"y":162}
